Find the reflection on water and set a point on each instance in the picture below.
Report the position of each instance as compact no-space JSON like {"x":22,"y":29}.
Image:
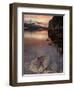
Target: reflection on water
{"x":42,"y":35}
{"x":36,"y":49}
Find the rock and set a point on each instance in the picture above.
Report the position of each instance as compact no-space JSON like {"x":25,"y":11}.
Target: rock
{"x":55,"y":31}
{"x":38,"y":65}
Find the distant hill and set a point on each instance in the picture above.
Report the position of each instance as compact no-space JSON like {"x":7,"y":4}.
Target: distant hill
{"x":32,"y":27}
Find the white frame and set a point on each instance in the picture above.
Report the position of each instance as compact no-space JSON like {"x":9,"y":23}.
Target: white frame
{"x":44,"y":77}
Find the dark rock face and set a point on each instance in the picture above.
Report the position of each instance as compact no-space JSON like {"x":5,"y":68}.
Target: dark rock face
{"x":55,"y":31}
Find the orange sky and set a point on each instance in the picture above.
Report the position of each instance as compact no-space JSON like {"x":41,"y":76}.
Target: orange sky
{"x":44,"y":19}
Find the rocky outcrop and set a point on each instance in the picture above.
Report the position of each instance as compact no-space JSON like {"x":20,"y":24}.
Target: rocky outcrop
{"x":55,"y":31}
{"x":42,"y":65}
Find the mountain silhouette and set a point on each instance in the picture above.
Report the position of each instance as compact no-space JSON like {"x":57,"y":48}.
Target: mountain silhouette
{"x":33,"y":27}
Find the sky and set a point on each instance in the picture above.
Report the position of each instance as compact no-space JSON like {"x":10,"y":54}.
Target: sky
{"x":42,"y":20}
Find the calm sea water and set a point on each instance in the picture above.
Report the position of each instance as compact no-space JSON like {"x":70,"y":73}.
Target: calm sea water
{"x":33,"y":51}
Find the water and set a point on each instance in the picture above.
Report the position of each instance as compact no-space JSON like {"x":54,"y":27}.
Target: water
{"x":33,"y":50}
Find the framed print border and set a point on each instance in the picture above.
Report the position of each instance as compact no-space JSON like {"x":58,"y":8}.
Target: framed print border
{"x":13,"y":43}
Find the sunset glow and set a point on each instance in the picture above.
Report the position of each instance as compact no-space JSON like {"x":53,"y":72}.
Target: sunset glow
{"x":41,"y":35}
{"x":38,"y":19}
